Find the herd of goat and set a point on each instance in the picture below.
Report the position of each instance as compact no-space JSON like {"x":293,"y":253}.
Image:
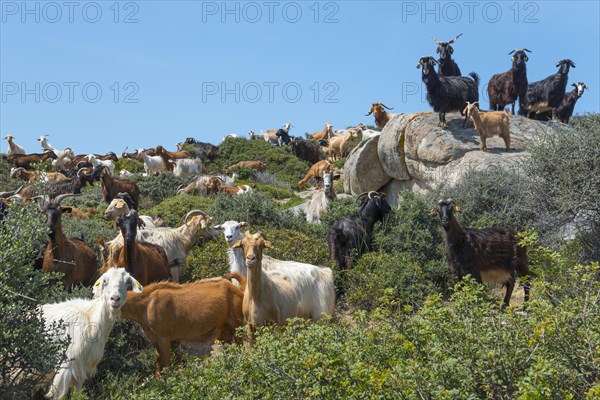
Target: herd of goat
{"x":141,"y":266}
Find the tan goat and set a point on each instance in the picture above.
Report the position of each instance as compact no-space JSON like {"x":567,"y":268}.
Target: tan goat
{"x":325,"y":133}
{"x":197,"y":312}
{"x":338,"y":146}
{"x":488,"y":124}
{"x":316,"y":171}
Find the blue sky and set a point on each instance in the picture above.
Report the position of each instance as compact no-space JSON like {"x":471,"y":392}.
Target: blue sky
{"x":100,"y":76}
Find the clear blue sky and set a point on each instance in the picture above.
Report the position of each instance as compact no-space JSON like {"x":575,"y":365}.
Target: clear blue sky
{"x":175,"y":57}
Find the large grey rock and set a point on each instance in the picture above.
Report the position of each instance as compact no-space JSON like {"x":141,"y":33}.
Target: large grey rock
{"x":414,"y":154}
{"x":363,"y":171}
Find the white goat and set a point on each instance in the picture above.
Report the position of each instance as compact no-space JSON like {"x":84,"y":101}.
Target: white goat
{"x":62,"y":158}
{"x":13,"y":148}
{"x":105,"y":163}
{"x":86,"y":325}
{"x":152,"y":164}
{"x":60,"y":154}
{"x":125,"y":174}
{"x":232,"y":232}
{"x":321,"y":200}
{"x":44,"y":143}
{"x":185,"y":167}
{"x":300,"y":290}
{"x":256,"y":136}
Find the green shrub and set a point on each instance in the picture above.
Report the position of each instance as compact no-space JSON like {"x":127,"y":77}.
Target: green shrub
{"x":280,"y":161}
{"x":173,"y":209}
{"x":133,"y":166}
{"x":254,"y":208}
{"x":275,"y":192}
{"x":23,"y":345}
{"x":155,"y":189}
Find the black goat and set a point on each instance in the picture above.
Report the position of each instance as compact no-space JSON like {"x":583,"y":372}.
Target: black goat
{"x":489,"y":255}
{"x":448,"y":93}
{"x":446,"y":65}
{"x":70,"y":185}
{"x":547,"y":94}
{"x":567,"y":106}
{"x":356,"y":232}
{"x":504,"y":88}
{"x":307,"y":150}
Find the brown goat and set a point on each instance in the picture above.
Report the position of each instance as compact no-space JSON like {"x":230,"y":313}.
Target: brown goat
{"x":175,"y":155}
{"x":111,"y":187}
{"x":197,"y":312}
{"x":258,"y":165}
{"x":492,"y":123}
{"x":325,"y":133}
{"x":73,"y":257}
{"x":77,"y":213}
{"x":27,"y":160}
{"x":135,"y":156}
{"x":147,"y":262}
{"x":316,"y":171}
{"x":489,"y":255}
{"x":381,"y":116}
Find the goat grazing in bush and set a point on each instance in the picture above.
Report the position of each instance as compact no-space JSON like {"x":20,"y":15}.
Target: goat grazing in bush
{"x":547,"y":94}
{"x":493,"y":123}
{"x":489,"y":255}
{"x":196,"y":312}
{"x":506,"y":87}
{"x":446,"y":65}
{"x":285,"y":292}
{"x":356,"y":232}
{"x":448,"y":93}
{"x":85,"y":325}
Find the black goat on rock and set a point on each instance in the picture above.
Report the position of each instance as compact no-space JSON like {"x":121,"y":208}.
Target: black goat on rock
{"x":448,"y":93}
{"x":506,"y":87}
{"x":547,"y":94}
{"x":446,"y":65}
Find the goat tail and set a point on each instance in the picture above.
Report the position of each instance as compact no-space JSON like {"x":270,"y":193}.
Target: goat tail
{"x":475,"y":77}
{"x":239,"y":277}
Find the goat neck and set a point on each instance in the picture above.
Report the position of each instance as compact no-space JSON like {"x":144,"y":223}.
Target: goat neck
{"x":454,"y":232}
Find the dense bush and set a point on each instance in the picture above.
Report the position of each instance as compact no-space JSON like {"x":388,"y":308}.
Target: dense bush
{"x":280,"y":161}
{"x":133,"y":166}
{"x":173,"y":209}
{"x":26,"y":355}
{"x":155,"y":189}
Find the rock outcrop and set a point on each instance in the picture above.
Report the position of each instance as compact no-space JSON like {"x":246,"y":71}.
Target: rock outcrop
{"x":413,"y":153}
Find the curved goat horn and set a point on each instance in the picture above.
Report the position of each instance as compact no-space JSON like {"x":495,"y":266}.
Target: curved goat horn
{"x":194,"y":212}
{"x":436,"y":41}
{"x":454,"y":40}
{"x":384,"y":106}
{"x":61,"y":197}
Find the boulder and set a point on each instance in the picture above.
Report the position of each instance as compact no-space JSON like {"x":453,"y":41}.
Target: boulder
{"x":413,"y":153}
{"x":363,"y":171}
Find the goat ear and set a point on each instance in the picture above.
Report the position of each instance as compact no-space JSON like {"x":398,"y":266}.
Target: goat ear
{"x":268,"y":244}
{"x":135,"y":285}
{"x":218,"y":227}
{"x":456,"y":207}
{"x":98,"y":287}
{"x":237,"y":244}
{"x":243,"y":224}
{"x":433,"y":211}
{"x":120,"y":204}
{"x":66,"y":209}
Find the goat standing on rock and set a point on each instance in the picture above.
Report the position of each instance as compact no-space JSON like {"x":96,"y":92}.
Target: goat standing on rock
{"x":489,"y":255}
{"x":446,"y":65}
{"x":493,"y":123}
{"x":504,"y":88}
{"x":448,"y":93}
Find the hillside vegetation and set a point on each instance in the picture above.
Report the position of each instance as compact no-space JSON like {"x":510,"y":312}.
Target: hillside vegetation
{"x":404,"y":328}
